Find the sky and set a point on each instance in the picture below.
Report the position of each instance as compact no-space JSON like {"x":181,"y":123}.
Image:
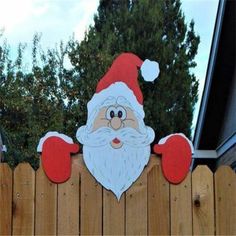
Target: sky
{"x":59,"y":19}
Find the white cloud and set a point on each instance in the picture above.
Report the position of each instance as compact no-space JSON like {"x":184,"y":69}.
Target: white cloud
{"x":13,"y":13}
{"x":57,"y":20}
{"x":89,"y":9}
{"x":40,"y":8}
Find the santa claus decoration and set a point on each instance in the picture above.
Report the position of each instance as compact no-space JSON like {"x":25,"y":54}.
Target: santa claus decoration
{"x":116,"y":141}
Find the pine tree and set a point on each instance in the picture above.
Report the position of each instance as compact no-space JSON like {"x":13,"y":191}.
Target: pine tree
{"x":151,"y":29}
{"x":31,"y":102}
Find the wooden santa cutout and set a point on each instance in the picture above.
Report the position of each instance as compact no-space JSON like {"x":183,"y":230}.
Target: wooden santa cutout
{"x":116,"y":140}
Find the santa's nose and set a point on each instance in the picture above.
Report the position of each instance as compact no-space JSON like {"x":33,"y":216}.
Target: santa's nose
{"x":115,"y":123}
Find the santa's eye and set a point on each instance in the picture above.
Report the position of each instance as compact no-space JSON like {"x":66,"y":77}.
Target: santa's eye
{"x":121,"y":113}
{"x":110,"y":113}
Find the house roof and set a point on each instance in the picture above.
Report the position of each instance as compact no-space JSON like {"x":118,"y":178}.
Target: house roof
{"x":219,"y":78}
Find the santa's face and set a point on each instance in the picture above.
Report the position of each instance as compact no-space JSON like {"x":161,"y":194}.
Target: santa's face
{"x":116,"y":117}
{"x":116,"y":145}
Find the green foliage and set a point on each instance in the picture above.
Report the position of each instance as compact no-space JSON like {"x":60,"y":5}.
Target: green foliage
{"x":151,"y":29}
{"x":50,"y":97}
{"x":31,"y":103}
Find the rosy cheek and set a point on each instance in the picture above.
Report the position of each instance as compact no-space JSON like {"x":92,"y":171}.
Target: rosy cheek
{"x":130,"y":123}
{"x":100,"y":123}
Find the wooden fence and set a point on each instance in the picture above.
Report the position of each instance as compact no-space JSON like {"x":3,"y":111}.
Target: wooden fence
{"x":205,"y":203}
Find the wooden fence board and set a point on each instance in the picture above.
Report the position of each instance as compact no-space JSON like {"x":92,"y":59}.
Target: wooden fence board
{"x":68,"y":203}
{"x":23,"y":200}
{"x":225,"y":201}
{"x":46,"y":205}
{"x":136,"y":207}
{"x":5,"y":199}
{"x":181,"y":207}
{"x":113,"y":214}
{"x":91,"y":205}
{"x":158,"y":202}
{"x":151,"y":206}
{"x":203,"y":201}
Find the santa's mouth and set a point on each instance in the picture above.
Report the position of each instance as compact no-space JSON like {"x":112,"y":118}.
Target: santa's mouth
{"x":116,"y":141}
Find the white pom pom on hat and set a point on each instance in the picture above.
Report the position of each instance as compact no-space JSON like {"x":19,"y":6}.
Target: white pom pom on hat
{"x":150,"y":70}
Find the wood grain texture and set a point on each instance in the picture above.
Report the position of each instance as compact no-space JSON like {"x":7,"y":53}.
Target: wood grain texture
{"x":5,"y":199}
{"x":151,"y":206}
{"x":46,"y":205}
{"x":181,"y":207}
{"x":225,"y":201}
{"x":23,"y":200}
{"x":136,"y":207}
{"x":68,"y":203}
{"x":113,"y":214}
{"x":203,"y":201}
{"x":91,"y":204}
{"x":158,"y":202}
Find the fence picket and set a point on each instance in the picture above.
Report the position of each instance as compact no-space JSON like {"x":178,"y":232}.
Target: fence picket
{"x":181,"y":207}
{"x":68,"y":203}
{"x":158,"y":202}
{"x":225,"y":201}
{"x":46,"y":205}
{"x":23,"y":200}
{"x":136,"y":207}
{"x":113,"y":214}
{"x":5,"y":199}
{"x":91,"y":204}
{"x":203,"y":201}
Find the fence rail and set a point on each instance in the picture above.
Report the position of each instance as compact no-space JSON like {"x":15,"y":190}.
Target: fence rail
{"x":204,"y":203}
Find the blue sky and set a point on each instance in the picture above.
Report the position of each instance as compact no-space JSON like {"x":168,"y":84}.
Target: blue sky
{"x":204,"y":14}
{"x":59,"y":19}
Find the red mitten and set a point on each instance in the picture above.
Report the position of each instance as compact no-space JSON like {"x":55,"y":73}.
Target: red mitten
{"x":176,"y":151}
{"x":56,"y":159}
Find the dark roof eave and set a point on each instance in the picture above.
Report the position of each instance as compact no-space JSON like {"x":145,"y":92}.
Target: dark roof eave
{"x":209,"y":75}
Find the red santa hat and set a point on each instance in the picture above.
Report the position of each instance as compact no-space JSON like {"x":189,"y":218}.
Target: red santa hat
{"x":121,"y":80}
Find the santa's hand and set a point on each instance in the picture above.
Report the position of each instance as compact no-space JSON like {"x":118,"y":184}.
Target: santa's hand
{"x":176,"y":151}
{"x":56,"y":160}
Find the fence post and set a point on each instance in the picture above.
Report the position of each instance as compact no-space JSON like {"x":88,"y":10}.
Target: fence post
{"x":203,"y":201}
{"x":23,"y":200}
{"x":6,"y":185}
{"x":225,"y":201}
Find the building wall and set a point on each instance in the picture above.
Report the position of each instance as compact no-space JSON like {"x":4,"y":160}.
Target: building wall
{"x":229,"y":127}
{"x":229,"y":124}
{"x":228,"y":158}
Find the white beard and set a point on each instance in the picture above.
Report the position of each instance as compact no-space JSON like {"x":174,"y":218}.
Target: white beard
{"x":116,"y":169}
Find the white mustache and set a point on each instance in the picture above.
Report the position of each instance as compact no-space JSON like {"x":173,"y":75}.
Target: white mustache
{"x":105,"y":135}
